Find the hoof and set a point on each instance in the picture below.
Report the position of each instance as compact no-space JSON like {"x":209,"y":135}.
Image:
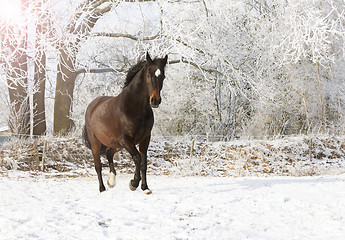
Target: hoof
{"x":147,"y":191}
{"x":131,"y":186}
{"x":101,"y":189}
{"x":112,"y":180}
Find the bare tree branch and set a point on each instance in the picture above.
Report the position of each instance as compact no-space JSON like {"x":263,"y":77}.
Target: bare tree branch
{"x":108,"y":70}
{"x":123,"y":35}
{"x":98,"y":70}
{"x":211,"y":71}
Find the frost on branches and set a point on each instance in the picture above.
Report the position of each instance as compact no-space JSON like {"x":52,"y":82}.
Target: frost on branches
{"x":237,"y":68}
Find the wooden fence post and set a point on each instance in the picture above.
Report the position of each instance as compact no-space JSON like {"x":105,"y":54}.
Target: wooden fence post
{"x":191,"y":149}
{"x":44,"y":154}
{"x":310,"y":148}
{"x":37,"y":159}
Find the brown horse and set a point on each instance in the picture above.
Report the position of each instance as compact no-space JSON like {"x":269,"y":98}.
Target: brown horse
{"x":113,"y":123}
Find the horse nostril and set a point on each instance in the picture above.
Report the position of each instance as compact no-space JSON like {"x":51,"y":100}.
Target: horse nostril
{"x":153,"y":101}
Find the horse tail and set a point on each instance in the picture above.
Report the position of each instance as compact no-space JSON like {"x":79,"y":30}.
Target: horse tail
{"x":86,"y":138}
{"x":88,"y":144}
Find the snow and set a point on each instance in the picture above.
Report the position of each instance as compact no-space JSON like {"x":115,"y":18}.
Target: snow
{"x":292,"y":188}
{"x":41,"y":206}
{"x":4,"y":128}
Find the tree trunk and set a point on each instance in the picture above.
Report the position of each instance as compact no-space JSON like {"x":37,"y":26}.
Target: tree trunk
{"x":80,"y":26}
{"x":65,"y":82}
{"x":39,"y":118}
{"x":17,"y":81}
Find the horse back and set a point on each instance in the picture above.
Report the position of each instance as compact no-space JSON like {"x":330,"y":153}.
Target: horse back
{"x":96,"y":103}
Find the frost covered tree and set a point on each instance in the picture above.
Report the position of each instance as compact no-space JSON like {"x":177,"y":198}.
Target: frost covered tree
{"x":70,"y":37}
{"x":275,"y":68}
{"x":14,"y":61}
{"x":251,"y":68}
{"x":42,"y":25}
{"x":236,"y":68}
{"x":300,"y":49}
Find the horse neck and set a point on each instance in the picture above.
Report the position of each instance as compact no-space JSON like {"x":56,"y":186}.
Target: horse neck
{"x":137,"y":91}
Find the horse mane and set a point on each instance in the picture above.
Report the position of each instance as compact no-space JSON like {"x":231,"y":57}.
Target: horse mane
{"x":132,"y":71}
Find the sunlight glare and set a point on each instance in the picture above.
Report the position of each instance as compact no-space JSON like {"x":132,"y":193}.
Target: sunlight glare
{"x":10,"y":11}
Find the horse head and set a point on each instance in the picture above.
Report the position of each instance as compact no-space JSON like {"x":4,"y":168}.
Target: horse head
{"x":154,"y":77}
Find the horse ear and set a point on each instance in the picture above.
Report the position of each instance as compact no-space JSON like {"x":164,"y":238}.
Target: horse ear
{"x":148,"y":58}
{"x":165,"y":60}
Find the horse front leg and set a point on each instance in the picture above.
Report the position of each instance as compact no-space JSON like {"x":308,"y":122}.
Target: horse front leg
{"x":143,"y":169}
{"x":134,"y":183}
{"x":143,"y":146}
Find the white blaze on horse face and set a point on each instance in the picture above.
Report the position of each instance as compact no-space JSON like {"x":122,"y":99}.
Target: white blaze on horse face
{"x":158,"y":73}
{"x":112,"y":180}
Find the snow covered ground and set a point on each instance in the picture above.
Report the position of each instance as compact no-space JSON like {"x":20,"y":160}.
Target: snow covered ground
{"x":43,"y":207}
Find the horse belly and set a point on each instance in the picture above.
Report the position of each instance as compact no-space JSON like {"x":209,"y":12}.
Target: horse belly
{"x":103,"y":124}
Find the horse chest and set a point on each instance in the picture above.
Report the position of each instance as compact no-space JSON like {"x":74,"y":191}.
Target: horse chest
{"x":132,"y":121}
{"x":140,"y":127}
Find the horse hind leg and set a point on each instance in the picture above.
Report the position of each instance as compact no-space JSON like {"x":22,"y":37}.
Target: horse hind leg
{"x":96,"y":152}
{"x":112,"y":175}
